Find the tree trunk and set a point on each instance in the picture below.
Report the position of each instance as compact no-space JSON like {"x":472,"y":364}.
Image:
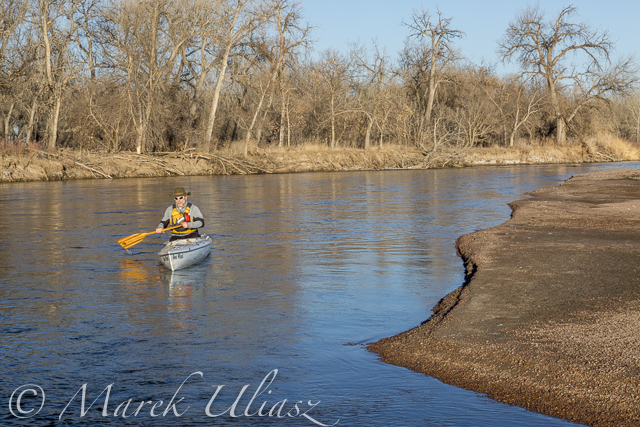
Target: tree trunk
{"x":432,"y":88}
{"x":432,"y":95}
{"x":288,"y":129}
{"x":367,"y":138}
{"x":140,"y":137}
{"x":253,"y":122}
{"x":515,"y":126}
{"x":90,"y":61}
{"x":142,"y":129}
{"x":52,"y":123}
{"x":216,"y":95}
{"x":264,"y":118}
{"x":32,"y":115}
{"x":333,"y":126}
{"x":254,"y":119}
{"x":282,"y":119}
{"x":560,"y":130}
{"x":6,"y":122}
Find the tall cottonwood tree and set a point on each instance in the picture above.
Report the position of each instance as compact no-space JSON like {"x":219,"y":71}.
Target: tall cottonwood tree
{"x":517,"y":99}
{"x":87,"y":16}
{"x":14,"y":63}
{"x":475,"y":114}
{"x":12,"y":15}
{"x":290,"y":33}
{"x":544,"y":48}
{"x":331,"y":75}
{"x":145,"y":40}
{"x":525,"y":101}
{"x":373,"y":81}
{"x":433,"y":53}
{"x":236,"y":19}
{"x":56,"y":26}
{"x":218,"y":28}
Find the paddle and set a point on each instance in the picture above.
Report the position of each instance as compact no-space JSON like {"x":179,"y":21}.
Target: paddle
{"x":134,"y":239}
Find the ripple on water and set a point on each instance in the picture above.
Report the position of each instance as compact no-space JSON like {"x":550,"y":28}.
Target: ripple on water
{"x":305,"y":269}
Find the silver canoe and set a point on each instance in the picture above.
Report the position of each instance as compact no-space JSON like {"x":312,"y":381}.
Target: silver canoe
{"x":182,"y":253}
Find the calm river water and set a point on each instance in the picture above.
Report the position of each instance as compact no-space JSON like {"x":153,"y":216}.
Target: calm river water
{"x":305,"y":269}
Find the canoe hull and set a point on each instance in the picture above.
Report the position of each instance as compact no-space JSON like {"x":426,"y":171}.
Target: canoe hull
{"x":183,"y":253}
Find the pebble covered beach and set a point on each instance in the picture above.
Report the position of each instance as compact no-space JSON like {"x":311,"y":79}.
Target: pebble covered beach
{"x":549,"y":316}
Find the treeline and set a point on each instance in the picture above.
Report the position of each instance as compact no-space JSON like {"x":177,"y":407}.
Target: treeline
{"x":165,"y":75}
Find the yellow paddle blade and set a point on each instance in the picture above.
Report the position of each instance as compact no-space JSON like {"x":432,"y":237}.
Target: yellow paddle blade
{"x":134,"y":239}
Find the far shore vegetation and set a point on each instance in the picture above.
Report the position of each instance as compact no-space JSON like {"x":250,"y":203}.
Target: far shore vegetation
{"x":237,"y":83}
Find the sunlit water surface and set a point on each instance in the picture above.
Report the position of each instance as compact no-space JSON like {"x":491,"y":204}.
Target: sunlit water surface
{"x":305,"y":269}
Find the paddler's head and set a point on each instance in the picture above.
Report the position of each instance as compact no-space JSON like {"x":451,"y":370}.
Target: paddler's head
{"x":180,"y":196}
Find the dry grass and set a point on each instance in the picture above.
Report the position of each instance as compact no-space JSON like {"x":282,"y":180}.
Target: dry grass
{"x":524,"y":155}
{"x":611,"y":146}
{"x":17,"y":149}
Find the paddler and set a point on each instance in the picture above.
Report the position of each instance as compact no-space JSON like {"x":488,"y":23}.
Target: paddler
{"x":184,"y":213}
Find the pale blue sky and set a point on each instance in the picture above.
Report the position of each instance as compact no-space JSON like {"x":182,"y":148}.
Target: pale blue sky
{"x":484,"y":22}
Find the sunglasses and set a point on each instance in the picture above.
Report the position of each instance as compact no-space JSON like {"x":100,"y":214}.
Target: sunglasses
{"x":178,"y":198}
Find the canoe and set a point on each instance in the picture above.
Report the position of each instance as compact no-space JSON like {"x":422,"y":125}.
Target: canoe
{"x":182,"y":253}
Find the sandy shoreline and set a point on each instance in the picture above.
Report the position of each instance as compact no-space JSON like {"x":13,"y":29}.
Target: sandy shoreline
{"x":549,"y":317}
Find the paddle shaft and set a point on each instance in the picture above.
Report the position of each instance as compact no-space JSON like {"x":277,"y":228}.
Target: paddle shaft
{"x":163,"y":230}
{"x":134,"y":239}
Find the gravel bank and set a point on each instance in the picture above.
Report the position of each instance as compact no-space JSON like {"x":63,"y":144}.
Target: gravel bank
{"x":549,"y":317}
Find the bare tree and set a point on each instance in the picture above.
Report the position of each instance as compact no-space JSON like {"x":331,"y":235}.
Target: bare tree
{"x":13,"y":63}
{"x":31,"y":91}
{"x":87,"y":15}
{"x":373,"y":81}
{"x":543,"y":48}
{"x":237,"y":19}
{"x":517,"y":99}
{"x":12,"y":15}
{"x":435,"y":53}
{"x":291,"y":34}
{"x":331,"y":76}
{"x":199,"y":57}
{"x":57,"y":26}
{"x":145,"y":40}
{"x":475,"y":115}
{"x":527,"y":102}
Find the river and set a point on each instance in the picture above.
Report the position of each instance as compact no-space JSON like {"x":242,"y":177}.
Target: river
{"x":269,"y":330}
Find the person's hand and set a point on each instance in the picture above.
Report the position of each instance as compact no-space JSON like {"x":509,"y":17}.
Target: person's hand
{"x":185,"y":225}
{"x":159,"y":230}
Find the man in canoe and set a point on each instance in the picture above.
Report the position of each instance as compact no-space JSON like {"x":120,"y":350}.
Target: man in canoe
{"x":184,"y":213}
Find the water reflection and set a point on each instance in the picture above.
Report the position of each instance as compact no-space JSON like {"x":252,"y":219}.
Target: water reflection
{"x":181,"y":282}
{"x":133,"y":271}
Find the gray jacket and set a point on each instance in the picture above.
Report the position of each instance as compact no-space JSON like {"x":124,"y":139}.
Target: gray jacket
{"x":197,"y":220}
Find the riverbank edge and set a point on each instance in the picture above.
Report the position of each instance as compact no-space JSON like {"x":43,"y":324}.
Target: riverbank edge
{"x":488,"y":336}
{"x":39,"y":165}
